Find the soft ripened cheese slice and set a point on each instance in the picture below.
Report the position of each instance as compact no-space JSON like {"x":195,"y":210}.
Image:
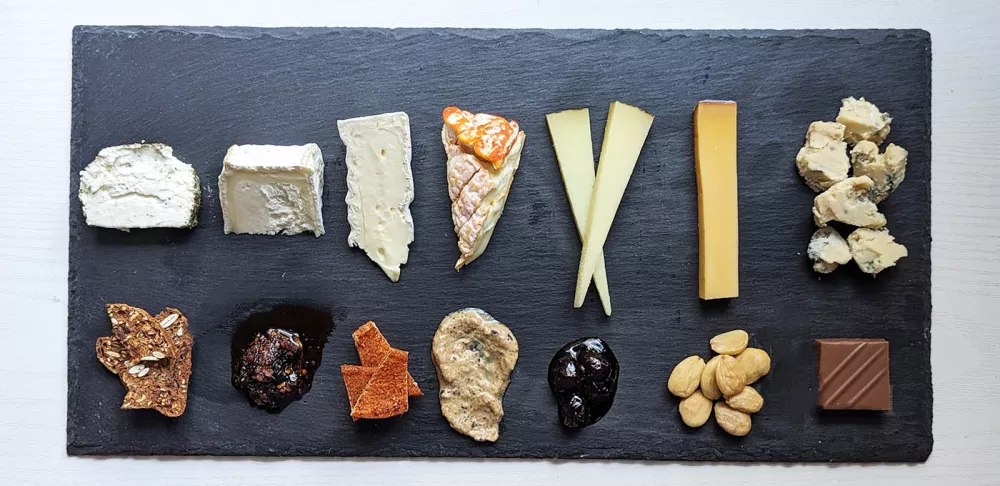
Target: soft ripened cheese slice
{"x":570,"y":131}
{"x":624,"y":135}
{"x":271,"y":189}
{"x":141,"y":185}
{"x":379,"y":188}
{"x":718,"y":223}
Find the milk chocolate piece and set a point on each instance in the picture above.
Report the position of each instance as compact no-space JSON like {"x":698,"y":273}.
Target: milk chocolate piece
{"x":854,"y":374}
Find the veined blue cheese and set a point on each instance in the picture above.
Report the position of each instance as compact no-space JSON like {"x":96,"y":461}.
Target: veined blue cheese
{"x":141,"y":185}
{"x":271,"y":189}
{"x":379,"y":188}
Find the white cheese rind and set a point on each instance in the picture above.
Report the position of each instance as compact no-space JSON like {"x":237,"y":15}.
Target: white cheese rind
{"x":140,"y":186}
{"x":379,"y":188}
{"x":271,"y":189}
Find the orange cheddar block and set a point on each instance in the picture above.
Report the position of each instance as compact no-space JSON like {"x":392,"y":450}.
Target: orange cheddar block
{"x":718,"y":222}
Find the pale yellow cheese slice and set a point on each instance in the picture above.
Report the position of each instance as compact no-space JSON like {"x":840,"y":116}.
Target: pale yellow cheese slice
{"x":574,"y":148}
{"x":624,"y":135}
{"x":718,"y":223}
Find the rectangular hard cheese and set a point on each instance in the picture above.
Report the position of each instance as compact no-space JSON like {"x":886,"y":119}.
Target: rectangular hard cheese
{"x":570,"y":131}
{"x":718,"y":228}
{"x":379,"y":188}
{"x":624,"y":135}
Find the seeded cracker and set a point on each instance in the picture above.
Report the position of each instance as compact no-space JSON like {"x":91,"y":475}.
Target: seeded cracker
{"x":161,"y":384}
{"x":142,"y":338}
{"x":385,"y":395}
{"x":372,"y":349}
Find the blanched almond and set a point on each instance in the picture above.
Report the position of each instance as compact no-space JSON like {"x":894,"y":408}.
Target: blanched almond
{"x":695,"y":409}
{"x":748,"y":400}
{"x":731,"y":420}
{"x":729,"y":377}
{"x":755,"y":363}
{"x":686,"y":376}
{"x":731,"y":343}
{"x":709,"y":386}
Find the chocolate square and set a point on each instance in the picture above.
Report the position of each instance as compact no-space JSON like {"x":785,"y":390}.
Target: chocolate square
{"x":854,"y":374}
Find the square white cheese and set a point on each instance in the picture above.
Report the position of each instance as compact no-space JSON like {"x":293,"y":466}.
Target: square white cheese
{"x":141,"y":185}
{"x":271,"y":189}
{"x":379,"y":188}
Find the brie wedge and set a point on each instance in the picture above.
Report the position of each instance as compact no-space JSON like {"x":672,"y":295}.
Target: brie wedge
{"x":379,"y":188}
{"x":141,"y":185}
{"x":271,"y":189}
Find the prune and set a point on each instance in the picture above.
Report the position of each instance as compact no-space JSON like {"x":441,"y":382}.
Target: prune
{"x":583,"y":376}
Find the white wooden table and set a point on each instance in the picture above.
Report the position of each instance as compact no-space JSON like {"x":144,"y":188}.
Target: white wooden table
{"x":34,"y":150}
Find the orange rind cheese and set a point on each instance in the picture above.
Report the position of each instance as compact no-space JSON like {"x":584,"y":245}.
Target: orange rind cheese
{"x":489,"y":137}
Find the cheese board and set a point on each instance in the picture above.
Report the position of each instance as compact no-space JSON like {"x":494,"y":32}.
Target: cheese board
{"x":202,"y":90}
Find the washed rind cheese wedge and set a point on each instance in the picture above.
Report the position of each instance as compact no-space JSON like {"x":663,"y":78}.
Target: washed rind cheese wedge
{"x":478,"y":192}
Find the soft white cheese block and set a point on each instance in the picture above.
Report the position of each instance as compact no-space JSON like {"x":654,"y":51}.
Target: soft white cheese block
{"x":141,"y":185}
{"x":379,"y":188}
{"x":271,"y":189}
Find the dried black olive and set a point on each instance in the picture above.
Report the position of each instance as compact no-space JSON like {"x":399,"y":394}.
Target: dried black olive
{"x":583,"y":375}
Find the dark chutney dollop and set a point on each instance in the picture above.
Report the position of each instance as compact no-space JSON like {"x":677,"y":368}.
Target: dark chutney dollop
{"x":271,"y":371}
{"x":276,"y":352}
{"x":583,"y":376}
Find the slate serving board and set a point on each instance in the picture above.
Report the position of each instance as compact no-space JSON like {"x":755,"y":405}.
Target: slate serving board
{"x":202,"y":89}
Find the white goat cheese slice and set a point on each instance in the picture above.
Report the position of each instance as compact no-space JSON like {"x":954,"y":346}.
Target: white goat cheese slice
{"x":271,"y":189}
{"x":379,"y":188}
{"x":141,"y":185}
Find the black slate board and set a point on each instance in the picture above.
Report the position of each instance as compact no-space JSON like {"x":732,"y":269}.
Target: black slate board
{"x":202,"y":89}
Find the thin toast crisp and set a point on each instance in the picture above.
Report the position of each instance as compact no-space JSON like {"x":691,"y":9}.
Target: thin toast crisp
{"x":386,"y":393}
{"x":373,"y":348}
{"x":356,"y":378}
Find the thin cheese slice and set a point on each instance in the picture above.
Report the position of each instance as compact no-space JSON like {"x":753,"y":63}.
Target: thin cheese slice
{"x":624,"y":136}
{"x":718,"y":230}
{"x":574,"y":148}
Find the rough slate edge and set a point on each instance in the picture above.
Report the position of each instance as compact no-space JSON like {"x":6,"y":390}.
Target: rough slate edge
{"x":863,"y":36}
